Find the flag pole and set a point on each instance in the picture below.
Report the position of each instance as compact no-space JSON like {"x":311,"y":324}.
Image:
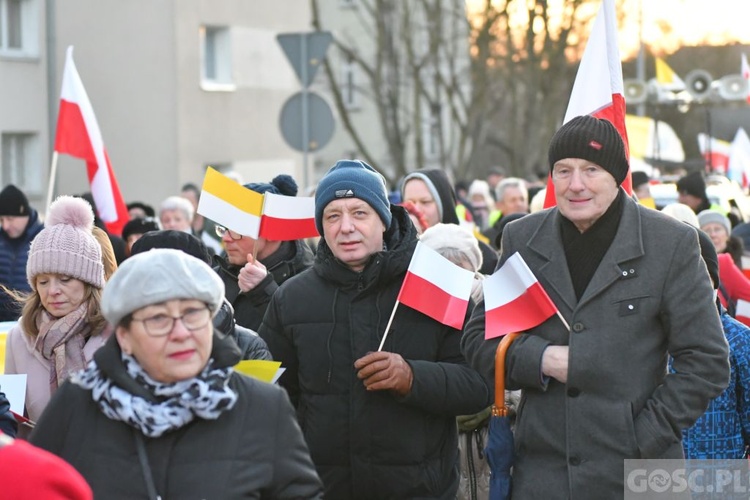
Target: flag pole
{"x":388,"y":326}
{"x":52,"y":176}
{"x":559,"y":315}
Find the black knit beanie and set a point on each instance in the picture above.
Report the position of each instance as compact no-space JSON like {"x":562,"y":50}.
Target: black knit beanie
{"x":592,"y":139}
{"x":169,"y":238}
{"x":13,"y":202}
{"x":692,"y":184}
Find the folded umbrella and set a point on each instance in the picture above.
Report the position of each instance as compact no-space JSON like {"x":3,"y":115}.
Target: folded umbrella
{"x":499,"y":449}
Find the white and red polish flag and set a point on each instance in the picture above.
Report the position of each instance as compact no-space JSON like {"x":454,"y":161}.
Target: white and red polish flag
{"x":598,"y":89}
{"x":437,"y":287}
{"x":514,"y":300}
{"x":745,"y":70}
{"x":78,"y":135}
{"x":742,"y":311}
{"x":287,"y":217}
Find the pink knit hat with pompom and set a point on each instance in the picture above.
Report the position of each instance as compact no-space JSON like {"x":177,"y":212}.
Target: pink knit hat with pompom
{"x":65,"y":245}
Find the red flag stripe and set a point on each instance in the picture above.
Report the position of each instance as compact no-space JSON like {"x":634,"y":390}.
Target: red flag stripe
{"x":275,"y":229}
{"x":424,"y":296}
{"x":527,"y":311}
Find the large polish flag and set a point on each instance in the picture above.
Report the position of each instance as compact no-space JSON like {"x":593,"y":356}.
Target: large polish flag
{"x":437,"y":287}
{"x":739,"y":158}
{"x":598,"y":89}
{"x":287,"y":217}
{"x":78,"y":135}
{"x":742,"y":311}
{"x":230,"y":204}
{"x":715,"y":151}
{"x":745,"y":70}
{"x":514,"y":300}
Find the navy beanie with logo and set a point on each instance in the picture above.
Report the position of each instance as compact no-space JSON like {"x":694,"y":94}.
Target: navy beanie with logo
{"x":352,"y":179}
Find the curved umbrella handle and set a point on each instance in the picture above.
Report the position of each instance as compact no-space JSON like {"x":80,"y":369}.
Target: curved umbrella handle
{"x":499,"y":409}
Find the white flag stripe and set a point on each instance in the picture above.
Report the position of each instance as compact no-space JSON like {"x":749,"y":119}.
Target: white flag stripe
{"x":288,"y":207}
{"x":73,"y":91}
{"x":592,"y":93}
{"x":433,"y":267}
{"x":507,"y":283}
{"x":227,"y":215}
{"x":743,"y":308}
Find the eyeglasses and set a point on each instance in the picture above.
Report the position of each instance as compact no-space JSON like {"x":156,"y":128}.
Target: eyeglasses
{"x":162,"y":324}
{"x":221,"y":231}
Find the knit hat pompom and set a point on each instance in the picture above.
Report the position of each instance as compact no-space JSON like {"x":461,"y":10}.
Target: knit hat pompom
{"x":66,"y":245}
{"x":281,"y":184}
{"x":72,"y":211}
{"x":285,"y":184}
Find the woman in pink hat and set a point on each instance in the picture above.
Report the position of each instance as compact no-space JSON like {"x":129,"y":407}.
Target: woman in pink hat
{"x":61,"y":325}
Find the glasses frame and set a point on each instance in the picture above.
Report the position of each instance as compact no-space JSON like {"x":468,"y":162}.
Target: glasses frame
{"x":221,"y":231}
{"x":174,"y":321}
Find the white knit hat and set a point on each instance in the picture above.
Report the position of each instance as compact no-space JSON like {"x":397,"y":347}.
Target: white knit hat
{"x":66,"y":245}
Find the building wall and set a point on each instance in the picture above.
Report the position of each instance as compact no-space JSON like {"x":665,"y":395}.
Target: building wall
{"x":140,"y":62}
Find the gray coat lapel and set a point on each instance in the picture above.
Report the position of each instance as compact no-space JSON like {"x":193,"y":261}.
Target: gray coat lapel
{"x":627,"y":246}
{"x":553,"y":273}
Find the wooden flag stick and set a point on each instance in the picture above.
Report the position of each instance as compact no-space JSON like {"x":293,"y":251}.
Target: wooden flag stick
{"x":51,"y":185}
{"x":559,"y":315}
{"x":388,"y":326}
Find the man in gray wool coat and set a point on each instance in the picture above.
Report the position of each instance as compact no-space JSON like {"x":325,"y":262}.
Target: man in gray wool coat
{"x":631,"y":284}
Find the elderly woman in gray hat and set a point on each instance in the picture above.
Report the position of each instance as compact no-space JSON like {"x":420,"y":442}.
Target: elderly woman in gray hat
{"x":160,"y":413}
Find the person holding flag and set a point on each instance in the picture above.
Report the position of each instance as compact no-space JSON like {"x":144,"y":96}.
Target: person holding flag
{"x":253,"y":268}
{"x":631,"y":284}
{"x":377,"y":398}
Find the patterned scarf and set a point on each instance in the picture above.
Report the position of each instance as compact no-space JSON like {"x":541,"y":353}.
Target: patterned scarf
{"x":61,"y":341}
{"x":206,"y":395}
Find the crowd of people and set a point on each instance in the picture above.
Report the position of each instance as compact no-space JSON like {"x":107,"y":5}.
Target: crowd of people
{"x":129,"y":341}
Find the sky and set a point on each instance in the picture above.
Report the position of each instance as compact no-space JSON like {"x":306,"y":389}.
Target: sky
{"x":669,"y":24}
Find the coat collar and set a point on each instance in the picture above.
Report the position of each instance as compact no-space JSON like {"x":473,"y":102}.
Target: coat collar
{"x":546,"y":242}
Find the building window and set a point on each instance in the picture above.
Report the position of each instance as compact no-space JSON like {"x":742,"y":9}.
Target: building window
{"x":349,"y":93}
{"x":216,"y":58}
{"x":21,"y":163}
{"x":431,"y":133}
{"x":18,"y":27}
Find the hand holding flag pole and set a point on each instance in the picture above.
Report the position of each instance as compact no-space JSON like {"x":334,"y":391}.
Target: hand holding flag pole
{"x":434,"y":286}
{"x":515,"y":301}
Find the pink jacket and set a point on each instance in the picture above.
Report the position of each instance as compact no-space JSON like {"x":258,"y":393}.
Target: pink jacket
{"x":21,"y":357}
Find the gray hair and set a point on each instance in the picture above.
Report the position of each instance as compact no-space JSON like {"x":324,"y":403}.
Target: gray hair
{"x":178,"y":203}
{"x":510,"y":182}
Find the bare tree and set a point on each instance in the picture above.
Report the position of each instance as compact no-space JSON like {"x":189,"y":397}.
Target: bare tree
{"x":461,"y":89}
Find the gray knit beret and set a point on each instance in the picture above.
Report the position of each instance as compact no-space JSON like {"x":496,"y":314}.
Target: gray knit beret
{"x":710,"y":215}
{"x":157,"y":276}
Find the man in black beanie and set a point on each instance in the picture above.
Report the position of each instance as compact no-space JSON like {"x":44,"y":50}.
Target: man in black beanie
{"x":691,"y":191}
{"x":20,"y":223}
{"x":631,"y":284}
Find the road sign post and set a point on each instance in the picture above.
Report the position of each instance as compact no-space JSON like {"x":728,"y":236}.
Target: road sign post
{"x":305,"y":52}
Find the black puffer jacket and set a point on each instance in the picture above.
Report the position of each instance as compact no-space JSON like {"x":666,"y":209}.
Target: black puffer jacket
{"x":250,"y":307}
{"x":250,"y":344}
{"x":254,"y":450}
{"x":371,"y":444}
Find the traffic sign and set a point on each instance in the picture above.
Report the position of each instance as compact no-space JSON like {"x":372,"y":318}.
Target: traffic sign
{"x":305,"y":52}
{"x":306,"y":135}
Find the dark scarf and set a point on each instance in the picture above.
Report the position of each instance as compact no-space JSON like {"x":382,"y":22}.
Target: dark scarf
{"x":585,"y":251}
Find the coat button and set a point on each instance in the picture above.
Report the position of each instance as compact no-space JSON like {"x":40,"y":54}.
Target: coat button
{"x":578,"y":327}
{"x":574,"y":461}
{"x":573,"y":392}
